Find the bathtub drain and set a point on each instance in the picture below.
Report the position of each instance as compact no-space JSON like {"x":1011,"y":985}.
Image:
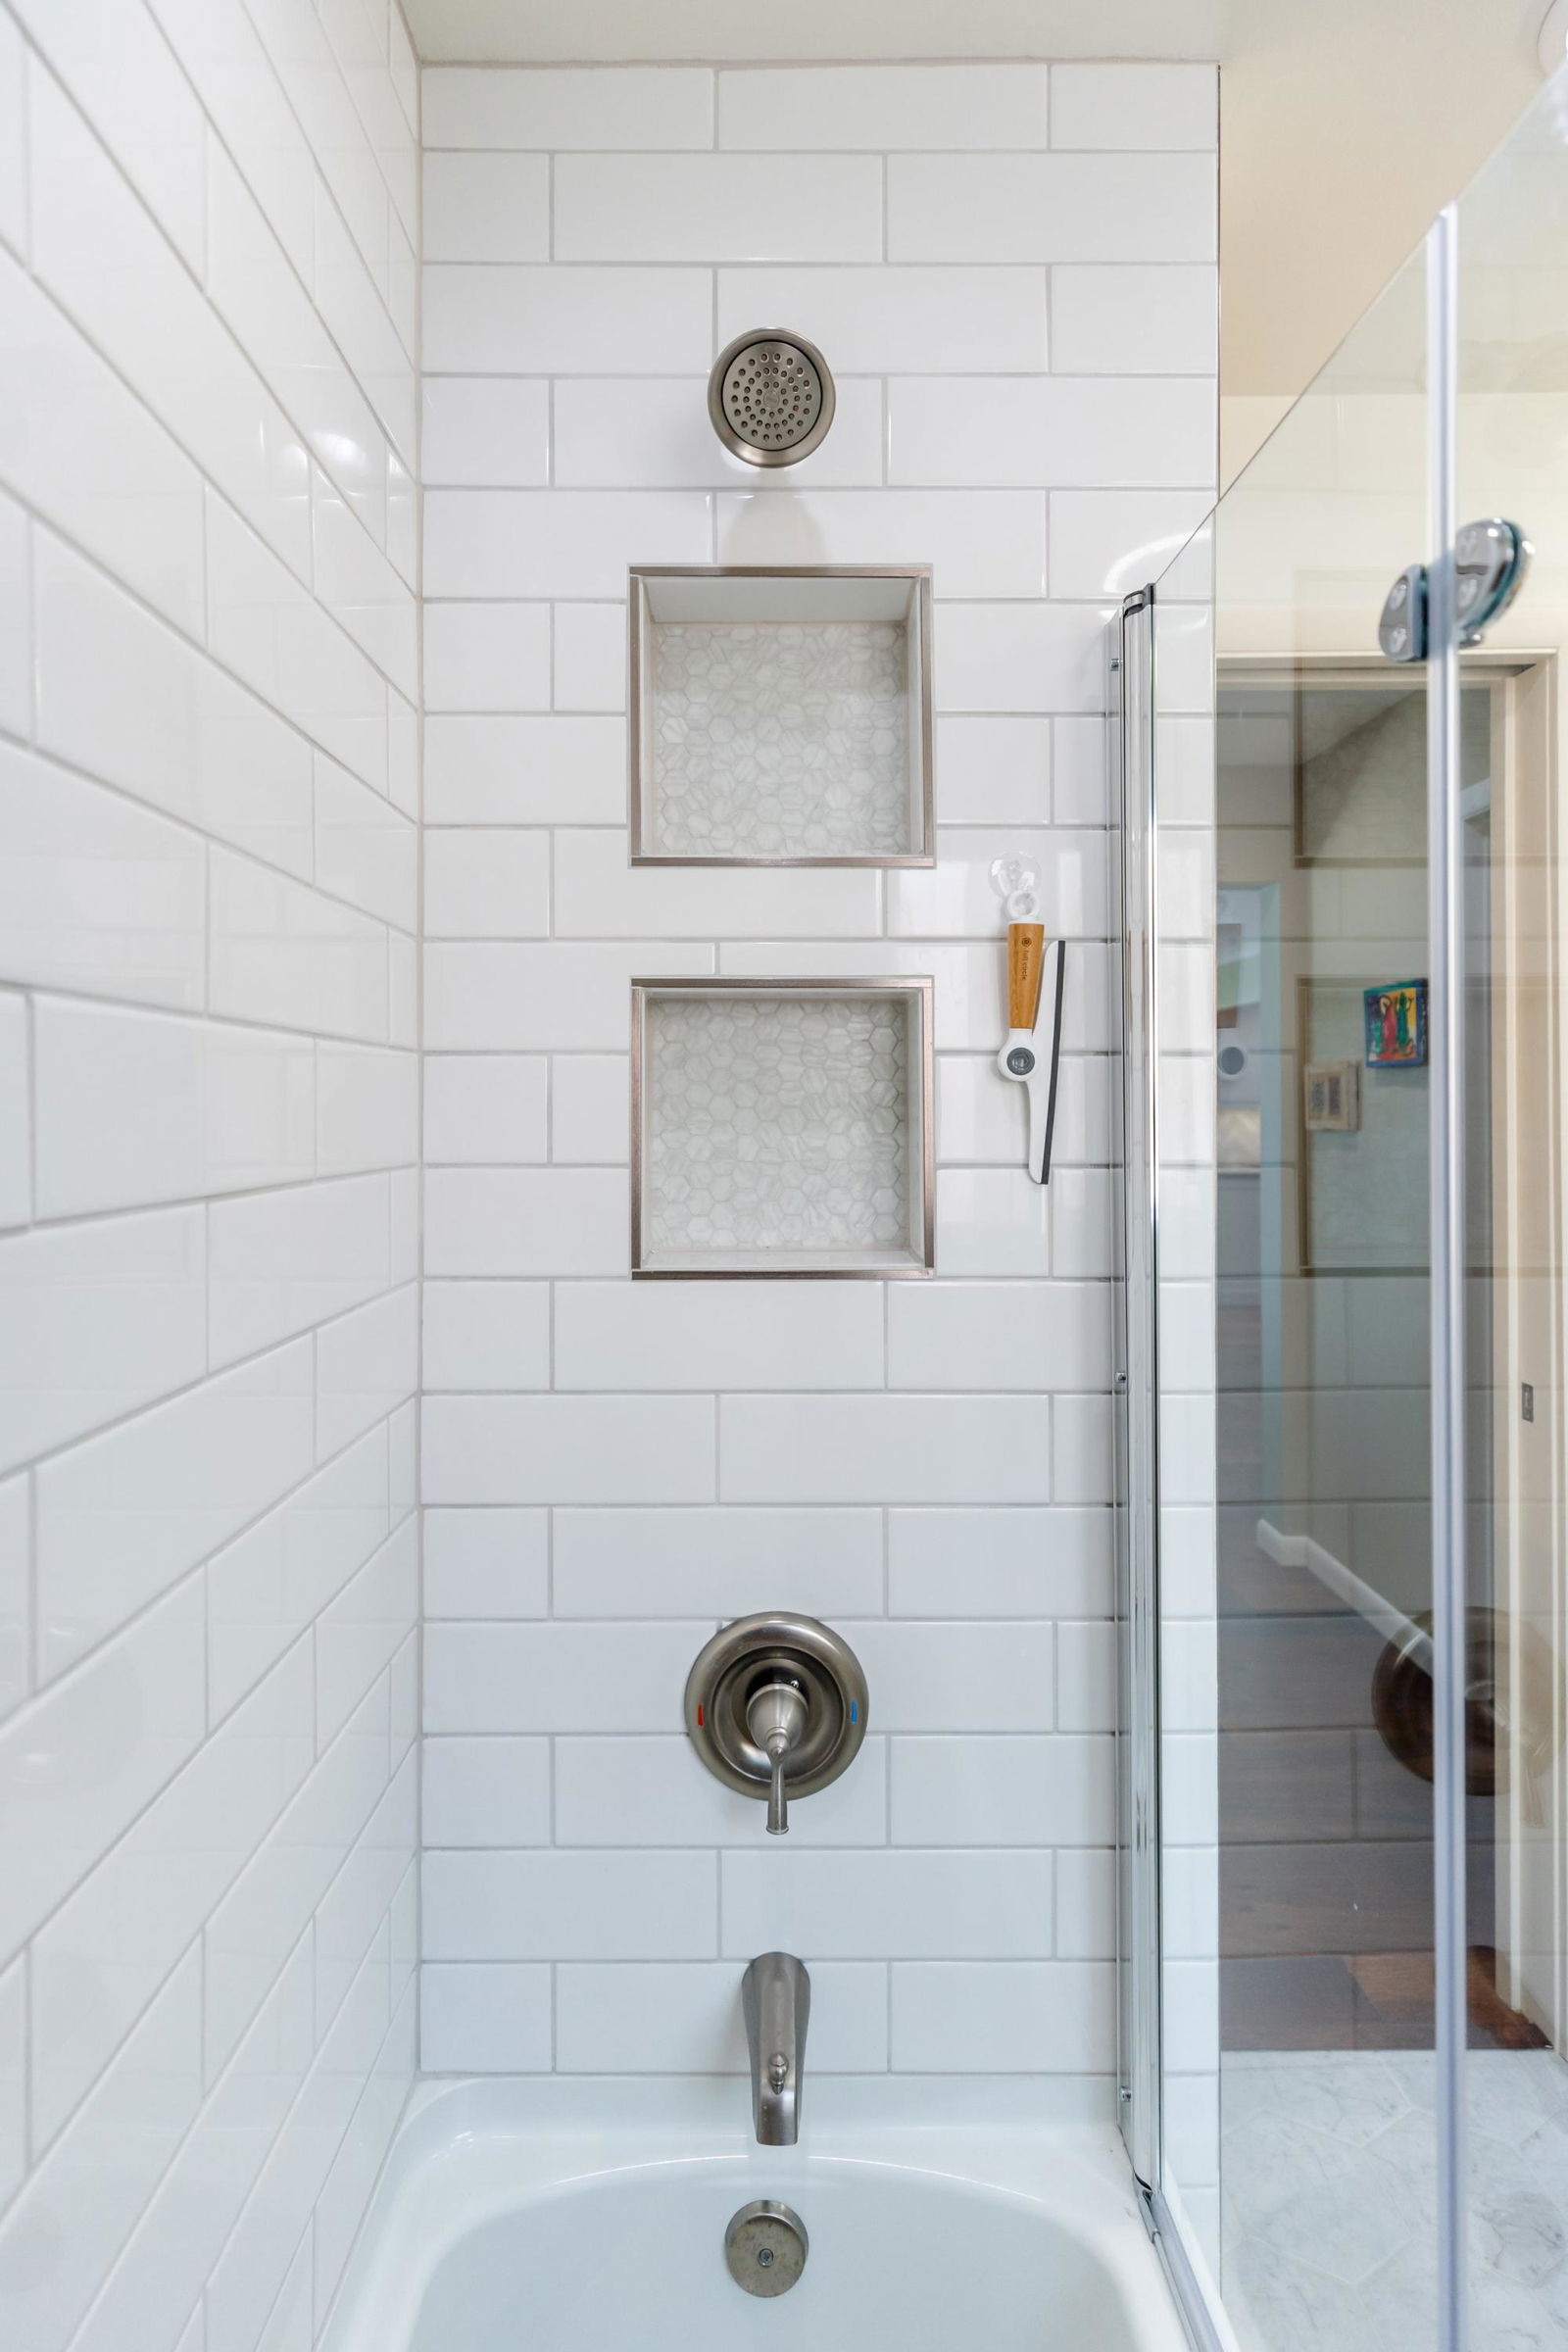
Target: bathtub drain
{"x":766,"y":2247}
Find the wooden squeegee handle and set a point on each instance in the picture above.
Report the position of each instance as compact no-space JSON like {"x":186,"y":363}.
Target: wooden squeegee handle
{"x":1026,"y":961}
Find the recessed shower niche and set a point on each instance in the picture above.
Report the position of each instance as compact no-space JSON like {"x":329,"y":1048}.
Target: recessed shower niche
{"x":781,"y":717}
{"x":781,"y":1127}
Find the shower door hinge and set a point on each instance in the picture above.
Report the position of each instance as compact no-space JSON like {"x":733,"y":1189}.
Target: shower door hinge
{"x":1489,"y":561}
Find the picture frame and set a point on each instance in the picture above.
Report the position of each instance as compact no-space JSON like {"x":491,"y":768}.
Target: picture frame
{"x":1331,"y":1097}
{"x":1395,"y":1023}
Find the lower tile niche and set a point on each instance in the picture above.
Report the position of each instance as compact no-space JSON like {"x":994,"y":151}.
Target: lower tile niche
{"x":781,"y":1129}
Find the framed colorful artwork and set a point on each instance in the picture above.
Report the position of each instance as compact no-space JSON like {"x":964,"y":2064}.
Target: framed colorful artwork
{"x":1333,"y":1104}
{"x":1397,"y":1026}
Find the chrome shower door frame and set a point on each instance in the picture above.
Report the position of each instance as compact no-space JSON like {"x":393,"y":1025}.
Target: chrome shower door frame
{"x":1131,"y":703}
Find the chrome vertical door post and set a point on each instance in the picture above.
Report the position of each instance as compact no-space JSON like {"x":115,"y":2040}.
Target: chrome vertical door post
{"x":1132,"y":723}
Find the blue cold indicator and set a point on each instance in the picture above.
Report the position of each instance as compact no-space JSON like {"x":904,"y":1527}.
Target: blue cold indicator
{"x":854,"y":1708}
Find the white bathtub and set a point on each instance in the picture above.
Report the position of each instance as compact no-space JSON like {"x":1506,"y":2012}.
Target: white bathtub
{"x":562,"y":2217}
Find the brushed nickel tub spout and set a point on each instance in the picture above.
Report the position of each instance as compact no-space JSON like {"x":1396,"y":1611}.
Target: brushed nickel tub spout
{"x":776,"y":2002}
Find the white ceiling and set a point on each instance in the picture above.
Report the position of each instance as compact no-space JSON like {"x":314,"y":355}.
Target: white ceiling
{"x":508,"y":32}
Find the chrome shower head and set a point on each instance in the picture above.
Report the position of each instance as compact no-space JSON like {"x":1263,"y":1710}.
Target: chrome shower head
{"x":770,"y":397}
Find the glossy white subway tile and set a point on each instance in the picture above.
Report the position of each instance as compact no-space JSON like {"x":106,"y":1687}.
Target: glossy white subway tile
{"x":487,"y":1563}
{"x":485,"y":883}
{"x":365,"y":850}
{"x":125,"y":2135}
{"x":1034,"y":2017}
{"x":884,"y":1448}
{"x":525,"y":771}
{"x":13,"y":2063}
{"x":120,"y":694}
{"x":257,"y":1926}
{"x":486,"y":207}
{"x":564,"y":997}
{"x":282,"y":1263}
{"x":486,"y":1335}
{"x":655,"y":431}
{"x":1086,"y":1677}
{"x":491,"y":431}
{"x":1161,"y":318}
{"x":366,"y":1108}
{"x":718,"y":1334}
{"x":568,"y":1450}
{"x":146,"y":1693}
{"x":514,"y":320}
{"x":264,"y":1591}
{"x":887,"y":107}
{"x":608,"y":106}
{"x":994,"y":770}
{"x":944,"y":1677}
{"x":957,"y":896}
{"x":17,"y":1146}
{"x":15,"y":1599}
{"x":889,"y":1906}
{"x":360,"y":587}
{"x":1109,"y":542}
{"x":717,"y":208}
{"x":1021,"y":657}
{"x":486,"y":1793}
{"x":566,"y":543}
{"x":272,"y":632}
{"x":685,"y":2018}
{"x":126,"y":1926}
{"x":16,"y":622}
{"x":99,"y":1318}
{"x":717,"y":1563}
{"x":254,"y":288}
{"x":494,"y":1221}
{"x":493,"y":1108}
{"x":86,"y":453}
{"x":193,"y":1106}
{"x":588,"y":669}
{"x":125,"y":77}
{"x":570,"y":1906}
{"x":598,"y":895}
{"x":1051,"y":208}
{"x":615,"y":1791}
{"x":487,"y":656}
{"x":1000,"y":1563}
{"x":556,"y":1678}
{"x":13,"y":140}
{"x":491,"y":2019}
{"x":977,"y":543}
{"x":589,"y":1109}
{"x":366,"y":1364}
{"x":358,"y":1632}
{"x":880,"y":321}
{"x":1003,"y":1791}
{"x":1055,"y":432}
{"x":106,"y":262}
{"x":123,"y":1517}
{"x":285,"y":953}
{"x":1023,"y":1336}
{"x":1086,"y":1904}
{"x":992,"y":1221}
{"x":217,"y":47}
{"x":1115,"y":107}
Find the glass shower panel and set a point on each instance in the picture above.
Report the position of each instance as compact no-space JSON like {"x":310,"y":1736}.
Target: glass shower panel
{"x":1293,"y":1292}
{"x":1511,"y":463}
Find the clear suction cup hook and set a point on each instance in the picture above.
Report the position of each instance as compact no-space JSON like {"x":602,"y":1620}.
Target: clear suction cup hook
{"x":1017,"y":883}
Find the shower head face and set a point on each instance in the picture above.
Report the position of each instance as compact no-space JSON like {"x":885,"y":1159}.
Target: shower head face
{"x":770,"y":397}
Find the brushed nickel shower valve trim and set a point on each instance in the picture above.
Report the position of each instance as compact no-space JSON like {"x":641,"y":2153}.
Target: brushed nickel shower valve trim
{"x":776,"y":1708}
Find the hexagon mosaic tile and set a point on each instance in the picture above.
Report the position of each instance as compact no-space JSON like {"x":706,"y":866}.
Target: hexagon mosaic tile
{"x":777,"y":1123}
{"x":787,"y":740}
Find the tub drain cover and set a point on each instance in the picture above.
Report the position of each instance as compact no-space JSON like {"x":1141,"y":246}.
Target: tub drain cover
{"x":766,"y":2247}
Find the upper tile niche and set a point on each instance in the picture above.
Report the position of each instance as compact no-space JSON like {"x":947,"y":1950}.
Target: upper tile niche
{"x":781,"y":717}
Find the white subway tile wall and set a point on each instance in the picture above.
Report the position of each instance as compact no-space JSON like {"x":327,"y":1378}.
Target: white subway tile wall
{"x":209,"y":1154}
{"x":1010,"y":269}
